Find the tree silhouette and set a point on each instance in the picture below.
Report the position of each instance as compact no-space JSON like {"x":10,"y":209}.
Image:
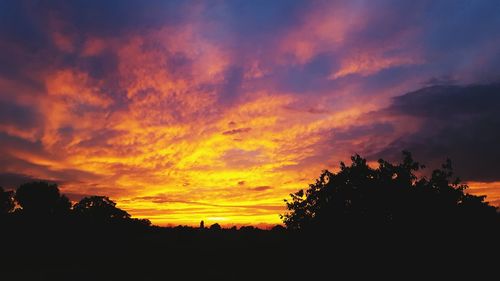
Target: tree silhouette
{"x":42,"y":199}
{"x":215,"y":227}
{"x":277,"y":228}
{"x":389,"y":195}
{"x":6,"y":201}
{"x":100,"y":209}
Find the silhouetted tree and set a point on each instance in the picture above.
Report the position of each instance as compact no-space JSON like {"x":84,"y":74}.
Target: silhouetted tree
{"x":277,"y":228}
{"x":215,"y":226}
{"x":141,"y":222}
{"x":99,"y":209}
{"x":359,"y":195}
{"x":41,"y":199}
{"x":247,"y":228}
{"x":6,"y":201}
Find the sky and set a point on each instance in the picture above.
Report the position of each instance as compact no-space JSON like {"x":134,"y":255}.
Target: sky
{"x":182,"y":111}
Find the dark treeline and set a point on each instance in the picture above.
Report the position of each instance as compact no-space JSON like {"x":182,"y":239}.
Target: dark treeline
{"x":45,"y":237}
{"x":41,"y":203}
{"x":358,"y":217}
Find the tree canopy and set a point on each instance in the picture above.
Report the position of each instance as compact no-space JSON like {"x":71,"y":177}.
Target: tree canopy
{"x":42,"y":199}
{"x":6,"y":201}
{"x":40,"y":202}
{"x":389,"y":195}
{"x":99,"y":208}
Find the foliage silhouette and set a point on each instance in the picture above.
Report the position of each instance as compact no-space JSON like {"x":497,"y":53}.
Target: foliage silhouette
{"x":107,"y":239}
{"x":42,"y":199}
{"x":215,"y":227}
{"x":278,"y":228}
{"x":387,"y":196}
{"x":99,"y":209}
{"x":6,"y":201}
{"x":110,"y":245}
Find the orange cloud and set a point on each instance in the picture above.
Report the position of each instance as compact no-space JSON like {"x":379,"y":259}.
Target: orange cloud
{"x":367,"y":64}
{"x":170,"y":135}
{"x":324,"y":29}
{"x":93,"y":46}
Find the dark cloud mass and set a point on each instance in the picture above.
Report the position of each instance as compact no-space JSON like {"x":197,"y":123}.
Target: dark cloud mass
{"x":459,"y":122}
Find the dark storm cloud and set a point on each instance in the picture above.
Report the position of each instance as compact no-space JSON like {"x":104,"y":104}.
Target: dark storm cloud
{"x":447,"y":103}
{"x":459,"y":122}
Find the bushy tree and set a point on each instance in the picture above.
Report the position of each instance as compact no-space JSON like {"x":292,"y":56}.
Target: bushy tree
{"x":42,"y":199}
{"x":359,"y":195}
{"x":100,"y":208}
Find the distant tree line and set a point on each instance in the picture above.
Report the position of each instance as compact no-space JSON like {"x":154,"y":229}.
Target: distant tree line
{"x":42,"y":201}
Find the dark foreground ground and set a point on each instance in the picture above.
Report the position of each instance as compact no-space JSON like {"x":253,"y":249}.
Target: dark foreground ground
{"x":102,"y":253}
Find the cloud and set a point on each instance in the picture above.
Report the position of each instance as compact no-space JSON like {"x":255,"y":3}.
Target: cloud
{"x":12,"y":180}
{"x":355,"y":132}
{"x":459,"y":122}
{"x":186,"y":98}
{"x":261,"y":188}
{"x":236,"y":131}
{"x":19,"y":116}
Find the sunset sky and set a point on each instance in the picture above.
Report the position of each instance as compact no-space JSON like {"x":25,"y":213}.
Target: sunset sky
{"x":183,"y":111}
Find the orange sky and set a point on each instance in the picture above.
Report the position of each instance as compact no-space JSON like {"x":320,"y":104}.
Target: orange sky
{"x":194,"y":120}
